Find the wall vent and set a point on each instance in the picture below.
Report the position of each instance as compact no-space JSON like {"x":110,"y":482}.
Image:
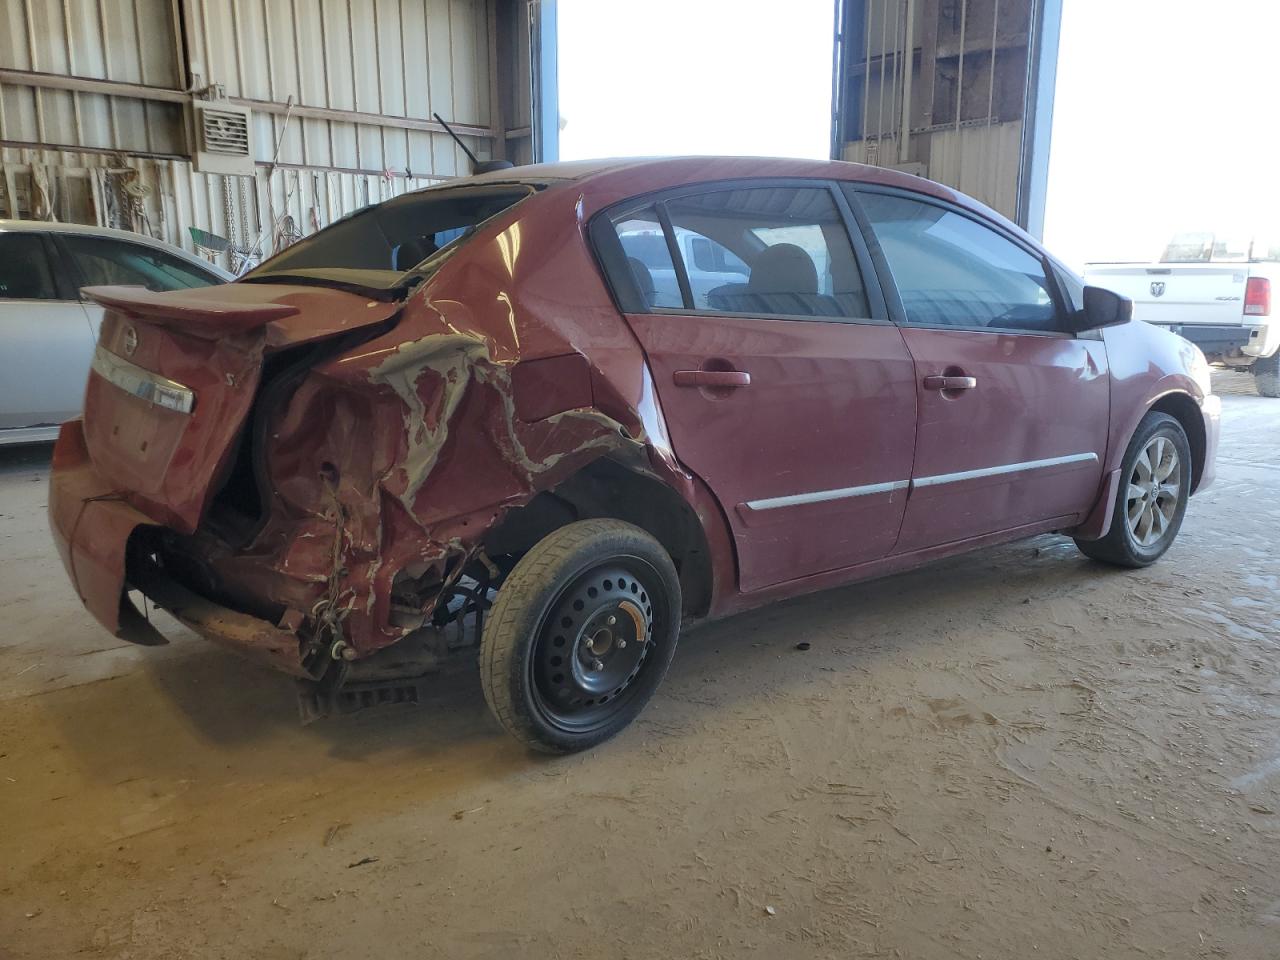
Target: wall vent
{"x":224,"y":135}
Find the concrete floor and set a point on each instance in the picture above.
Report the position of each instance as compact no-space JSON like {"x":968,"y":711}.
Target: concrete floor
{"x":1014,"y":754}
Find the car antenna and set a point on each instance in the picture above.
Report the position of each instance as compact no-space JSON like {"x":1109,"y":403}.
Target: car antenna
{"x":477,"y":166}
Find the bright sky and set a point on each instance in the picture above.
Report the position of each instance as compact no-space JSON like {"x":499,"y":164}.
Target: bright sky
{"x":1167,"y":118}
{"x":746,"y":77}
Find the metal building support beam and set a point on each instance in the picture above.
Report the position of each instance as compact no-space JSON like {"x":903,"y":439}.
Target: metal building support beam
{"x":847,"y":109}
{"x":545,"y":68}
{"x":137,"y":91}
{"x":964,"y":24}
{"x":110,"y":88}
{"x":498,"y":67}
{"x":359,"y":116}
{"x":908,"y":68}
{"x":929,"y":62}
{"x":1037,"y":127}
{"x":840,"y":117}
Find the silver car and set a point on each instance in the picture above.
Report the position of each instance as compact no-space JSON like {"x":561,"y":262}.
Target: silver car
{"x":47,"y":332}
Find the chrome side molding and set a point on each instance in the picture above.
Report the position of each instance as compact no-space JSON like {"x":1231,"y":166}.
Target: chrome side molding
{"x":818,"y":496}
{"x":141,"y":383}
{"x":942,"y":478}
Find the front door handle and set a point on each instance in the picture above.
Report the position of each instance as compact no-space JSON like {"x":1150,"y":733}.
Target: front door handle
{"x":950,"y":383}
{"x":712,"y":378}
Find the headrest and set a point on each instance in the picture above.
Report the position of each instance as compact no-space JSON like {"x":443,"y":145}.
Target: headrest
{"x":643,"y":278}
{"x":783,"y":268}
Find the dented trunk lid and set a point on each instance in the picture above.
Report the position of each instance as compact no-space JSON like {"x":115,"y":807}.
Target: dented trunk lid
{"x":174,"y":377}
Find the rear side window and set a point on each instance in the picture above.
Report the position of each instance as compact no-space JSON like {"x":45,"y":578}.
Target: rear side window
{"x":706,"y":255}
{"x":105,"y":262}
{"x":24,"y":268}
{"x":758,"y":251}
{"x":953,"y":271}
{"x":791,"y":255}
{"x":649,"y":259}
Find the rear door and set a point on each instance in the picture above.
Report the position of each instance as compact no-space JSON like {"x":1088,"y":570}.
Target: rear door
{"x":46,"y":342}
{"x":786,"y":388}
{"x":1013,"y":411}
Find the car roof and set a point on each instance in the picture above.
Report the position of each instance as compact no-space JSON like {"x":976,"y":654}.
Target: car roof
{"x":695,"y":167}
{"x":616,"y":178}
{"x":110,"y":233}
{"x":761,"y":167}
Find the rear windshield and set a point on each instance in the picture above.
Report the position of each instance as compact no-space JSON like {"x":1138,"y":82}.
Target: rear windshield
{"x":1206,"y":247}
{"x":381,"y":247}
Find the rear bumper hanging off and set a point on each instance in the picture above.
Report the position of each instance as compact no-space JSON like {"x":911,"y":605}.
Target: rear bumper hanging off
{"x":92,"y":525}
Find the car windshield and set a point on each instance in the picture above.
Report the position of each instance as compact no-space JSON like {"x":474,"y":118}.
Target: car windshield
{"x":380,"y":247}
{"x":1202,"y":246}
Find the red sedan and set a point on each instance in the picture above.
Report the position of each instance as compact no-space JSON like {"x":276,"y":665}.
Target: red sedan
{"x":564,"y":409}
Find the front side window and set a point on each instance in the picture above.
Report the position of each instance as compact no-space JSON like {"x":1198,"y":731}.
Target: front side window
{"x":777,"y":251}
{"x":24,"y":268}
{"x":1072,"y":288}
{"x":106,"y":262}
{"x":951,"y":270}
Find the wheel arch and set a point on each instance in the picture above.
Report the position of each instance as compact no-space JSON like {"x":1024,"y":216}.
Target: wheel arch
{"x":607,"y":488}
{"x":1186,"y":411}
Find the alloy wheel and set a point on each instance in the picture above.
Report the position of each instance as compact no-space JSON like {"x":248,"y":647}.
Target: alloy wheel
{"x":1154,"y":491}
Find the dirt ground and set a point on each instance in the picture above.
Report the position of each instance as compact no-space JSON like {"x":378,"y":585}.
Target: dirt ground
{"x":1014,"y":754}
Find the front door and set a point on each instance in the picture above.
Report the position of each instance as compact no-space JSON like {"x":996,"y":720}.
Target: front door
{"x":786,"y":390}
{"x":46,"y":342}
{"x":1013,"y":410}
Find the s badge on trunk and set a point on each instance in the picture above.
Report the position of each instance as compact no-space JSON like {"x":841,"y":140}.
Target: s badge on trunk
{"x":1157,"y":288}
{"x":130,"y":341}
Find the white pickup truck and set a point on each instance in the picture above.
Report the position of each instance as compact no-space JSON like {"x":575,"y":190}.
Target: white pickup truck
{"x":1214,"y":290}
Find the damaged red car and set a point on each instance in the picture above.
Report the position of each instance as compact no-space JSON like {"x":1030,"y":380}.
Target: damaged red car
{"x":559,"y":411}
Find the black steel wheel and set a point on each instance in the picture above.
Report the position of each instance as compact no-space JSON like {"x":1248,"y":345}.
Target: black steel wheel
{"x":580,"y":635}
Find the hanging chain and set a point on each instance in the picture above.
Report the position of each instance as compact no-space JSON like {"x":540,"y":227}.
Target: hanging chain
{"x":228,"y":221}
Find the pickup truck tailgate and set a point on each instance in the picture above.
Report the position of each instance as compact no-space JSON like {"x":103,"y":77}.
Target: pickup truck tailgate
{"x":1177,"y":293}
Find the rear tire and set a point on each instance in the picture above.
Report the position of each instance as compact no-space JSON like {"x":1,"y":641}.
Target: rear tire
{"x":1155,"y":482}
{"x":580,"y":635}
{"x":1266,"y":375}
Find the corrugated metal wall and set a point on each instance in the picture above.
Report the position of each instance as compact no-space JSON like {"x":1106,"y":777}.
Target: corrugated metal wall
{"x":127,"y":41}
{"x":346,"y":88}
{"x":163,"y":198}
{"x":980,"y":161}
{"x":379,"y":57}
{"x":963,"y":66}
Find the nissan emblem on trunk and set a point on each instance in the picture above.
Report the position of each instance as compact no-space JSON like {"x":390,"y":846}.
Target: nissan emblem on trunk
{"x":131,"y":340}
{"x":1157,"y":289}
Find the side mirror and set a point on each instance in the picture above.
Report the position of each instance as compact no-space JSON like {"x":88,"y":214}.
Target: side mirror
{"x":1103,"y":308}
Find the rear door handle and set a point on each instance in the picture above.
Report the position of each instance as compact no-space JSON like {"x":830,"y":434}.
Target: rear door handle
{"x":712,"y":378}
{"x":950,"y":383}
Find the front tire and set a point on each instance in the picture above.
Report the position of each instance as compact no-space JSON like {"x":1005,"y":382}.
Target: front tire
{"x":580,"y":635}
{"x":1155,"y":482}
{"x":1266,"y":375}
